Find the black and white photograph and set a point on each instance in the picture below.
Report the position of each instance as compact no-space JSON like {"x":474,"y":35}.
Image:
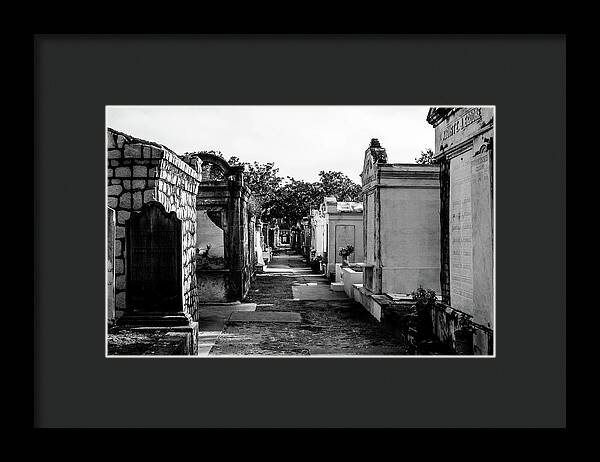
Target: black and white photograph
{"x":300,"y":231}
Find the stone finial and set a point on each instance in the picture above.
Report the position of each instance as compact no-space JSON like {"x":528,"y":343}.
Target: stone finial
{"x":378,"y":153}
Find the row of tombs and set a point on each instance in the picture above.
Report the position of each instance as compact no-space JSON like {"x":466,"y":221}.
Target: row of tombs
{"x":418,"y":225}
{"x":181,"y":233}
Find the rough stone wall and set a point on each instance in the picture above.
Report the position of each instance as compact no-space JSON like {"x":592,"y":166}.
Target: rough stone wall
{"x":445,"y":229}
{"x":110,"y":264}
{"x":445,"y":324}
{"x":140,"y":171}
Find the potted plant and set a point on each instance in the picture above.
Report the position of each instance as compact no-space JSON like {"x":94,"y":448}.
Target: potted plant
{"x":425,"y":300}
{"x":463,"y":336}
{"x":316,"y":263}
{"x":345,"y":252}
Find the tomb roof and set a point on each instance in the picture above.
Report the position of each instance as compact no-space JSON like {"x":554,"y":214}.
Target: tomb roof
{"x":133,"y":140}
{"x":349,"y":207}
{"x":436,"y":114}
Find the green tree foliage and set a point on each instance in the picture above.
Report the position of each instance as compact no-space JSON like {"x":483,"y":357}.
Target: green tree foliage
{"x":426,"y":157}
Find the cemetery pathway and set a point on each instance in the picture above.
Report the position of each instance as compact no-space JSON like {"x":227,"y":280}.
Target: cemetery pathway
{"x":297,"y":314}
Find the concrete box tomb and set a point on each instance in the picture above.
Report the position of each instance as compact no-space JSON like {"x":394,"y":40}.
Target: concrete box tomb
{"x":284,"y":237}
{"x":305,"y":234}
{"x":401,"y":231}
{"x":225,"y":239}
{"x":464,"y":151}
{"x":258,"y":246}
{"x":318,"y":237}
{"x":401,"y":224}
{"x":343,"y":225}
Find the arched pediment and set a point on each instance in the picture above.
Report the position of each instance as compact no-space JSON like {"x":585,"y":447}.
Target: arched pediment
{"x":213,"y":167}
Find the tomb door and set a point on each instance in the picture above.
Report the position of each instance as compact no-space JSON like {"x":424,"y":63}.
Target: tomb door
{"x":154,"y":266}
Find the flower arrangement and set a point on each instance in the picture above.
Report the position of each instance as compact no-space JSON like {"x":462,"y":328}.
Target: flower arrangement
{"x":423,"y":297}
{"x":346,"y":251}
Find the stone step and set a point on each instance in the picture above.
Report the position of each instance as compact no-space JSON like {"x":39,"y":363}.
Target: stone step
{"x":265,"y":316}
{"x":337,"y":286}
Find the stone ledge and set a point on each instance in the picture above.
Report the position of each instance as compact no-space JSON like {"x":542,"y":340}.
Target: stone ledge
{"x":153,"y":341}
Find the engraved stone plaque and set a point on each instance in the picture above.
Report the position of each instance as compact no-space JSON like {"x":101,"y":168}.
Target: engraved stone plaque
{"x":461,"y":246}
{"x":154,"y":260}
{"x":483,"y":245}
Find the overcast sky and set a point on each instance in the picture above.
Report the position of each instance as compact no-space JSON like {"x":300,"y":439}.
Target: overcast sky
{"x":300,"y":140}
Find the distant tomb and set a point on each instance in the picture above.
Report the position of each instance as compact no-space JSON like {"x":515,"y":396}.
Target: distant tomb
{"x":343,"y":226}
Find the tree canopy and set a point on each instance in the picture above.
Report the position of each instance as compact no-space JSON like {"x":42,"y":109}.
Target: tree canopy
{"x":339,"y":185}
{"x":288,"y":199}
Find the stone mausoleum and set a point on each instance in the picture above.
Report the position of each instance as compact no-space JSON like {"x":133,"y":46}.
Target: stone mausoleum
{"x":464,"y":149}
{"x":225,"y":245}
{"x":181,"y":232}
{"x":401,"y":229}
{"x":152,"y":216}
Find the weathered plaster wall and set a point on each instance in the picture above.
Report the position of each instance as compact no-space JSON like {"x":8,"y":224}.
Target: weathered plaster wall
{"x":402,"y":235}
{"x":369,"y":235}
{"x":211,"y":241}
{"x":410,"y":239}
{"x":140,"y":171}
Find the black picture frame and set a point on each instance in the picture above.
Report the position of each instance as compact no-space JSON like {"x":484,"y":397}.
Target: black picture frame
{"x":77,"y":76}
